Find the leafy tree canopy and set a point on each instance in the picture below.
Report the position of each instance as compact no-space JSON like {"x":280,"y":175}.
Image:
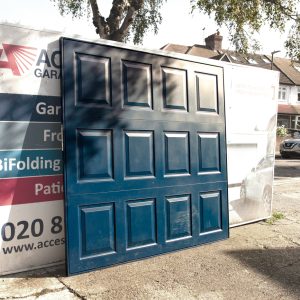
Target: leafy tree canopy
{"x":127,"y":18}
{"x":133,"y":18}
{"x":245,"y":18}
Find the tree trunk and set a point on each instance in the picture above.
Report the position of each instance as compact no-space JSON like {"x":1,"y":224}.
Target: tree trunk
{"x":112,"y":28}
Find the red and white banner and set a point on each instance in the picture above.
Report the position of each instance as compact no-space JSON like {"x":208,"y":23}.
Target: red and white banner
{"x":31,"y":180}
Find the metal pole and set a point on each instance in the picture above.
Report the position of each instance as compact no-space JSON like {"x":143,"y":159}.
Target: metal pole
{"x":272,"y":58}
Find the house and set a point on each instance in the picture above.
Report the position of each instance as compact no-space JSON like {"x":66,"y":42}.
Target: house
{"x":289,"y":83}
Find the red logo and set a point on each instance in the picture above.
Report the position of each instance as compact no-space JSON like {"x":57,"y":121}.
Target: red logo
{"x":19,"y":58}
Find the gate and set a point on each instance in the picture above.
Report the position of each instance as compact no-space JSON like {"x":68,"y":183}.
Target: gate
{"x":145,"y":153}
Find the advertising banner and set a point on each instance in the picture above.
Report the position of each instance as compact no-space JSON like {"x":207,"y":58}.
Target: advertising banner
{"x":31,"y":166}
{"x":251,"y":116}
{"x":31,"y":180}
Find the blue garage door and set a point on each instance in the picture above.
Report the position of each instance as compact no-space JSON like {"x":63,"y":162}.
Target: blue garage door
{"x":145,"y":153}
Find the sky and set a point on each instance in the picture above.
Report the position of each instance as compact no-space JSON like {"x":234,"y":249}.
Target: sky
{"x":178,"y":25}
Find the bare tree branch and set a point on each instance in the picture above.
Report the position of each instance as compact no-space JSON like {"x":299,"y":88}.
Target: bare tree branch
{"x":287,"y":11}
{"x":128,"y":20}
{"x":116,"y":15}
{"x":99,"y":21}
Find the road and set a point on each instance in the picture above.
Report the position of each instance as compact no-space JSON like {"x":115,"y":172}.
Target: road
{"x":286,"y":190}
{"x":287,"y":168}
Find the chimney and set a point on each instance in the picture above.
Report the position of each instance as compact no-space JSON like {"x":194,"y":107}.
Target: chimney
{"x":214,"y":41}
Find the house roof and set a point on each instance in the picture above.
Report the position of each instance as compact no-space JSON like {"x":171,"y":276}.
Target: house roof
{"x":200,"y":50}
{"x":176,"y":48}
{"x":262,"y":61}
{"x":289,"y":72}
{"x":289,"y":109}
{"x":290,"y":69}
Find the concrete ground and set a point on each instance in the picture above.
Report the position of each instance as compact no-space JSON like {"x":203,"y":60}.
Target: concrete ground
{"x":258,"y":261}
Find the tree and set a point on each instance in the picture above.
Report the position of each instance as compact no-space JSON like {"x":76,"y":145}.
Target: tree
{"x":245,"y":18}
{"x":127,"y":18}
{"x":133,"y":18}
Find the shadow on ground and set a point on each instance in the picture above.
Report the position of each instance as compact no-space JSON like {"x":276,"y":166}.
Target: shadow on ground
{"x":282,"y":265}
{"x":55,"y":271}
{"x":286,"y":167}
{"x":286,"y":171}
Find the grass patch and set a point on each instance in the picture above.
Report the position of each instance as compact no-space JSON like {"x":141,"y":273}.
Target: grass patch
{"x":277,"y":215}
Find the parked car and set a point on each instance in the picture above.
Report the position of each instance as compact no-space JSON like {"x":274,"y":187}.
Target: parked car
{"x":257,"y":185}
{"x":290,"y":147}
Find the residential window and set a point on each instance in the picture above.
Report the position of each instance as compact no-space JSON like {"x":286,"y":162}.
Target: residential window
{"x":295,"y":122}
{"x":252,"y":61}
{"x":265,"y":60}
{"x":282,"y":93}
{"x":284,"y":120}
{"x":297,"y":68}
{"x":289,"y":121}
{"x":298,"y":97}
